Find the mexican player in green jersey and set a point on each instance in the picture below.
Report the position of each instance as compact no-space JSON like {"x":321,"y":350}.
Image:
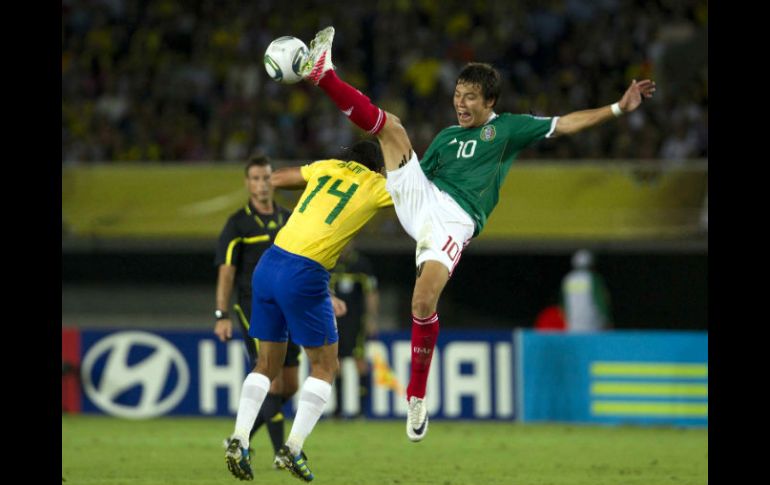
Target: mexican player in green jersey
{"x":470,"y":163}
{"x":444,"y":200}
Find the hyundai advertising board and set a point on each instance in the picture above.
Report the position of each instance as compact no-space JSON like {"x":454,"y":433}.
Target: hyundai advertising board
{"x":617,"y":377}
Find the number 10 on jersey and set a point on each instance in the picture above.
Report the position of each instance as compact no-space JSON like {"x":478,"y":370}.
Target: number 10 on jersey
{"x":466,"y":148}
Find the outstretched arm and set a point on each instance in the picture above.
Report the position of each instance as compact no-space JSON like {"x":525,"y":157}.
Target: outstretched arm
{"x":288,"y":178}
{"x":580,"y":120}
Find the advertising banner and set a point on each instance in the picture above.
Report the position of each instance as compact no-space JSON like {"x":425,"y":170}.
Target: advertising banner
{"x":143,"y":374}
{"x":619,"y":377}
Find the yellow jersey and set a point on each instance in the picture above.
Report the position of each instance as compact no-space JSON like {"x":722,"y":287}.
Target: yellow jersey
{"x":340,"y":197}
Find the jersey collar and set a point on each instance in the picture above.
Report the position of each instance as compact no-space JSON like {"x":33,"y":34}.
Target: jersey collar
{"x":251,"y":210}
{"x":276,"y":215}
{"x":492,"y":116}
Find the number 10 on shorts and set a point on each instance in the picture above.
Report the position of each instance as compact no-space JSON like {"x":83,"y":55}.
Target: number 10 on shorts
{"x":451,"y":248}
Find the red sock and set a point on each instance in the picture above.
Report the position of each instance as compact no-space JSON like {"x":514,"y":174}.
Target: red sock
{"x":424,"y":336}
{"x":353,"y":103}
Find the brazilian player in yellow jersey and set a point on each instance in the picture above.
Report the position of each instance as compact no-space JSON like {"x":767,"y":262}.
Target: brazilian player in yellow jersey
{"x":290,"y":292}
{"x":246,"y":235}
{"x":341,"y":196}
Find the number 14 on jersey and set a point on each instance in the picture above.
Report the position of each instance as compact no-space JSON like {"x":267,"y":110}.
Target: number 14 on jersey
{"x":333,"y":190}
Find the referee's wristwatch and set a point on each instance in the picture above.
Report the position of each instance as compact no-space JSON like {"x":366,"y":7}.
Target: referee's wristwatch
{"x":221,"y":315}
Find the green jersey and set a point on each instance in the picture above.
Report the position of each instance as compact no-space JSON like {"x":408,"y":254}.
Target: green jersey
{"x":470,"y":164}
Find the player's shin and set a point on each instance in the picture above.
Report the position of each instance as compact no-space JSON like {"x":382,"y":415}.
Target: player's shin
{"x":253,"y":392}
{"x":272,"y":416}
{"x":424,"y":337}
{"x":313,"y":397}
{"x":353,"y":103}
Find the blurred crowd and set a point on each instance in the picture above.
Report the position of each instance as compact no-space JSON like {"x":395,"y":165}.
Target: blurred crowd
{"x":176,"y":80}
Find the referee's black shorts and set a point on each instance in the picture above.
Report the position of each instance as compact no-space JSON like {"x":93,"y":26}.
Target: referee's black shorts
{"x":352,"y":336}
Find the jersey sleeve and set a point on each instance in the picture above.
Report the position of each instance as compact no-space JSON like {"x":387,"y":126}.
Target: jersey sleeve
{"x":308,"y":170}
{"x":381,"y":195}
{"x":228,"y":245}
{"x":527,"y":129}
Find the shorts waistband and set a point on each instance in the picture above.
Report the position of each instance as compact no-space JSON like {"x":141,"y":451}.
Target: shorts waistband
{"x":298,"y":257}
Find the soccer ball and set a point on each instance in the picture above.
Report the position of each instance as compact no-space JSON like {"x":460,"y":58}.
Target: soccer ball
{"x":284,"y":58}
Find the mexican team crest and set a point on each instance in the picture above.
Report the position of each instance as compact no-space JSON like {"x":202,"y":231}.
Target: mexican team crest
{"x":488,"y":133}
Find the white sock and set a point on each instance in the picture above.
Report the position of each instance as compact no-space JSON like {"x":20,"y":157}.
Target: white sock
{"x":313,"y":397}
{"x":253,"y":393}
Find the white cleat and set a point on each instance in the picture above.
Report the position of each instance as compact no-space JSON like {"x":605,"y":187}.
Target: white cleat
{"x":319,"y":60}
{"x":416,"y":419}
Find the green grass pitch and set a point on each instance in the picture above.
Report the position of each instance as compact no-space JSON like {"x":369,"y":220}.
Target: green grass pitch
{"x":167,"y":451}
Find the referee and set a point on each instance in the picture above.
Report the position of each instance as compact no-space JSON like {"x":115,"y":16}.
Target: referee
{"x":246,"y":235}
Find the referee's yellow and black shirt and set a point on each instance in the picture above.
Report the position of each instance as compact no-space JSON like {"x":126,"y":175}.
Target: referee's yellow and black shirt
{"x":246,"y":235}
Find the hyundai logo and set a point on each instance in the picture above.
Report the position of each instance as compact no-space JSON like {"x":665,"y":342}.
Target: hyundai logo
{"x":151,"y":375}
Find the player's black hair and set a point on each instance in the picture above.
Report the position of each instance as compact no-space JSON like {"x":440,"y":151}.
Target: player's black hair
{"x":485,"y":76}
{"x":366,"y":152}
{"x":258,"y":159}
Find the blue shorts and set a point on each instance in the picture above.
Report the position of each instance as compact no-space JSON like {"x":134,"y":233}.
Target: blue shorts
{"x":290,"y":295}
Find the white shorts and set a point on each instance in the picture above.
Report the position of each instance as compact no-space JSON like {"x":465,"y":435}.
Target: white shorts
{"x":441,"y":228}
